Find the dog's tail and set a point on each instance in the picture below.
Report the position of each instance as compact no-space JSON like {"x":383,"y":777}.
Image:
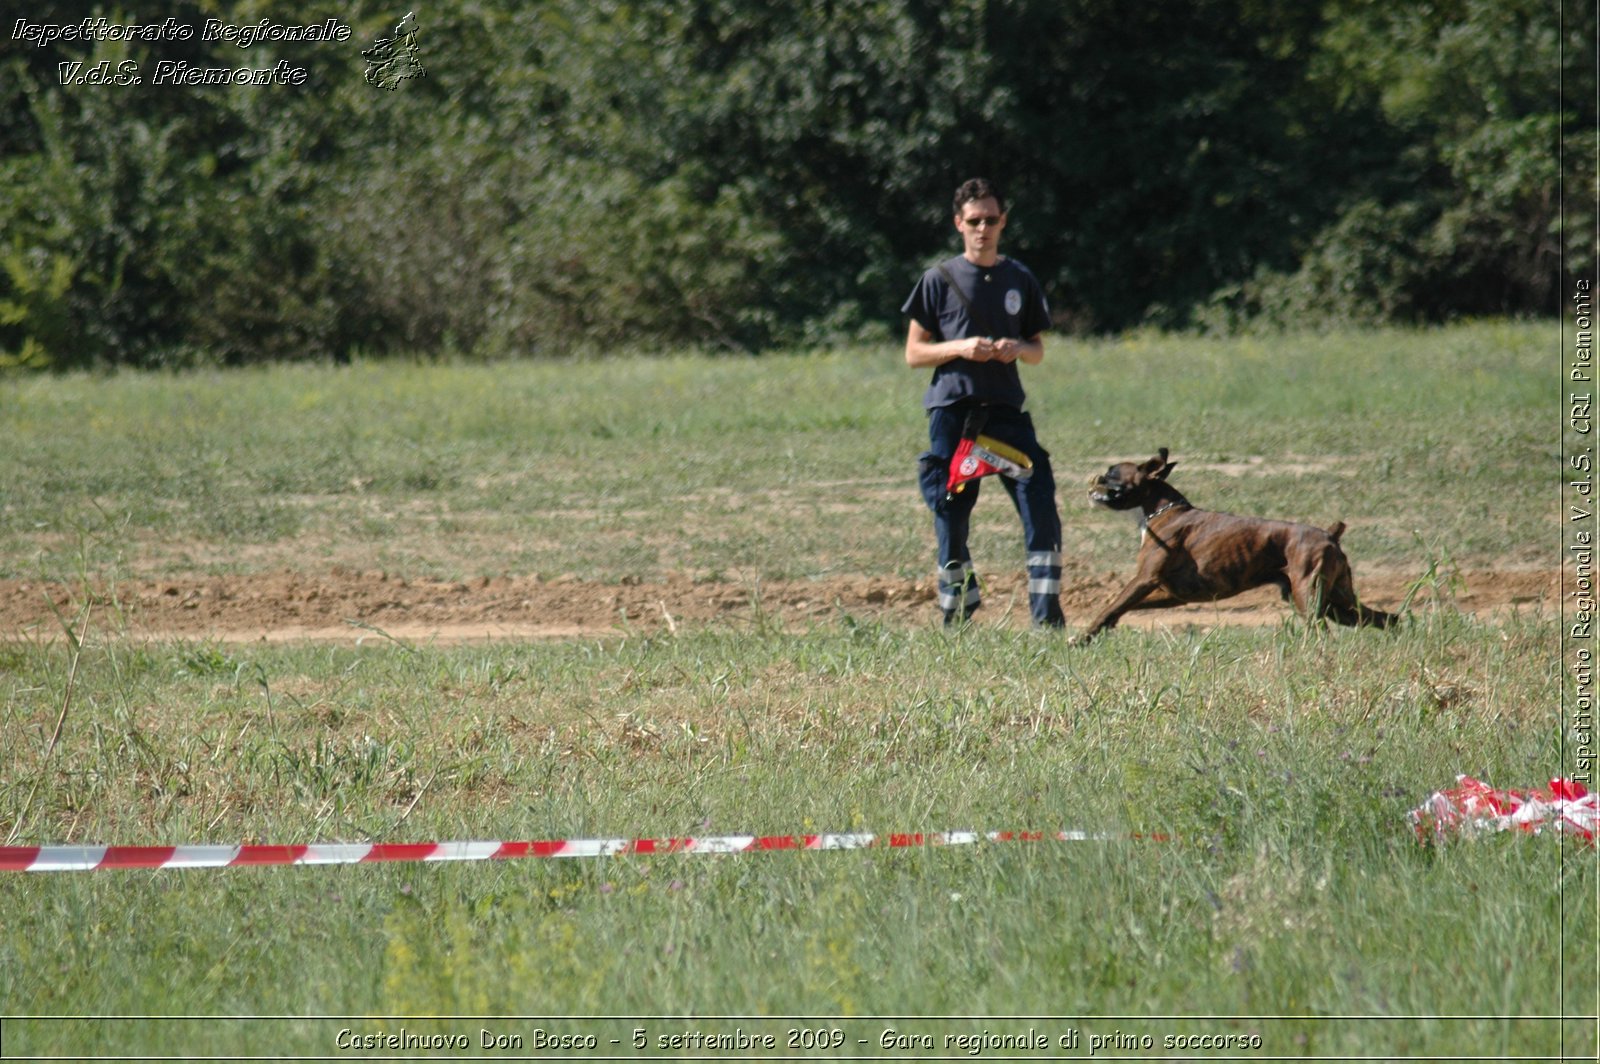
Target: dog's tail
{"x":1336,"y":530}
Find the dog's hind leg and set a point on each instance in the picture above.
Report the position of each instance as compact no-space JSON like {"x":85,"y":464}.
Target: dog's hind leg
{"x":1368,"y":617}
{"x":1353,"y":614}
{"x":1321,"y":587}
{"x":1337,"y":595}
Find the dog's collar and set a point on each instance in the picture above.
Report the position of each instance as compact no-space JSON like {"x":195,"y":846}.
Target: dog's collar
{"x":1174,"y":504}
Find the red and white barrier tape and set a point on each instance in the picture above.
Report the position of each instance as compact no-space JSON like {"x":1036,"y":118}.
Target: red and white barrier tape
{"x":1472,"y":807}
{"x":92,"y":858}
{"x":1565,"y":808}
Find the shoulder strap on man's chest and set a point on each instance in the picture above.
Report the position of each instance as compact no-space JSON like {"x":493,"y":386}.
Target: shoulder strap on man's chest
{"x":950,"y":279}
{"x":1004,"y":263}
{"x":966,"y":300}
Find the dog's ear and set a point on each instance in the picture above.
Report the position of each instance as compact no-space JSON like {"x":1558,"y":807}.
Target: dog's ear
{"x":1158,"y":467}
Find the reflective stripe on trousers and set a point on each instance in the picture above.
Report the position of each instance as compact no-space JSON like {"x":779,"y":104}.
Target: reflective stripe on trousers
{"x":1044,"y":586}
{"x":1044,"y":572}
{"x":958,"y":588}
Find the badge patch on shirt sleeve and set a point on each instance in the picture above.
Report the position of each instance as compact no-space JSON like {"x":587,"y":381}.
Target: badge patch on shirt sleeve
{"x":1013,"y":301}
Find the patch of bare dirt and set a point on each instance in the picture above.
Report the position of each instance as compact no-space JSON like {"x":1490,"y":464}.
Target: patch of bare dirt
{"x":350,"y":606}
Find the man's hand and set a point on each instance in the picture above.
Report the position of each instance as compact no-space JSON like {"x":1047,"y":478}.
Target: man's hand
{"x":922,"y":351}
{"x":1006,"y":350}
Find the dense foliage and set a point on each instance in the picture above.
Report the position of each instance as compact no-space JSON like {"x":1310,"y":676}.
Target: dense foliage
{"x":594,"y":173}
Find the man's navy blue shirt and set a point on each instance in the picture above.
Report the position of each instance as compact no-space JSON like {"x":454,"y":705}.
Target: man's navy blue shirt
{"x":1007,"y":302}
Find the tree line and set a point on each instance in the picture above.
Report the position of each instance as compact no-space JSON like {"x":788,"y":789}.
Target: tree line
{"x":577,"y":175}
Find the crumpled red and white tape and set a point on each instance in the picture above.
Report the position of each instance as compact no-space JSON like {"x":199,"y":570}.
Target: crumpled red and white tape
{"x":1473,"y":807}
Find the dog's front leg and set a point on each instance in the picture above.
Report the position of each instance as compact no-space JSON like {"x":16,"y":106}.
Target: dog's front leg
{"x":1132,"y":597}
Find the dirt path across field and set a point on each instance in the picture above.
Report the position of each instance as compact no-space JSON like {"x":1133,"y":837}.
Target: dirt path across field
{"x":346,"y":606}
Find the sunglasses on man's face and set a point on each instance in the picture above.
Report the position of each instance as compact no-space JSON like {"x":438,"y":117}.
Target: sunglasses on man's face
{"x":983,"y":220}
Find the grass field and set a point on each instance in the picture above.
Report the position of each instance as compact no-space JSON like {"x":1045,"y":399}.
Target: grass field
{"x":1295,"y":911}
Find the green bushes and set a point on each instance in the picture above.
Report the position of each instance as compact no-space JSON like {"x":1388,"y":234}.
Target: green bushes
{"x":741,"y":176}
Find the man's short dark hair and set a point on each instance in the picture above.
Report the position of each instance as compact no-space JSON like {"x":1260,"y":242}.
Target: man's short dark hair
{"x":976,"y":189}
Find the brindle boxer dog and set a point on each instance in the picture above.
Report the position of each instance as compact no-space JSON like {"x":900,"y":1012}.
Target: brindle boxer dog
{"x":1189,"y":555}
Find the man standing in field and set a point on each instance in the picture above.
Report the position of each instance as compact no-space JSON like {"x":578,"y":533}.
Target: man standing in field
{"x":973,"y":318}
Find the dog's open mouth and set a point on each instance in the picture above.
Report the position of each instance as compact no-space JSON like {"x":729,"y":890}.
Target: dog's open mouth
{"x":1106,"y":492}
{"x":1111,"y":494}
